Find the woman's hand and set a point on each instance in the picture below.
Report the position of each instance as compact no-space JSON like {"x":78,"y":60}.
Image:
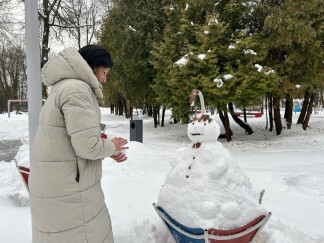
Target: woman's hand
{"x":119,"y":156}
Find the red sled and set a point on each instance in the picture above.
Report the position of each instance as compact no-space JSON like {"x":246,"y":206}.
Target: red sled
{"x":24,"y":173}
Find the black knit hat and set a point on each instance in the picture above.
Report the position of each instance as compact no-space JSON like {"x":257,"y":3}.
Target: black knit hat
{"x":96,"y":56}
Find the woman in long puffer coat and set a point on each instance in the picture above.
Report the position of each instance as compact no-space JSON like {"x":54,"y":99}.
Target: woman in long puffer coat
{"x":66,"y":200}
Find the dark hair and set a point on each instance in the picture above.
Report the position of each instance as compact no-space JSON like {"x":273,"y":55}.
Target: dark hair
{"x":96,"y":56}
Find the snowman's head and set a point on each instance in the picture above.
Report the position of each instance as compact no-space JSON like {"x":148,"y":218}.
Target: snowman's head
{"x":203,"y":129}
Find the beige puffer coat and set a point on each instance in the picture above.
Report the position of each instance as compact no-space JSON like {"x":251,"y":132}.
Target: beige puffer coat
{"x":66,"y":200}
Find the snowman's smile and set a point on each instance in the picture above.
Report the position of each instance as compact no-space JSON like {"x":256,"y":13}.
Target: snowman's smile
{"x":195,"y":134}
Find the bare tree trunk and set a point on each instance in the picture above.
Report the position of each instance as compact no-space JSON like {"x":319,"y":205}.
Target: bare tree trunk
{"x":112,"y":108}
{"x":130,"y":112}
{"x":277,"y":116}
{"x":244,"y":112}
{"x":48,"y":16}
{"x":145,"y":109}
{"x":226,"y":124}
{"x":262,"y":107}
{"x":228,"y":129}
{"x":289,"y":110}
{"x":120,"y":106}
{"x":155,"y":115}
{"x":162,"y":120}
{"x":125,"y":108}
{"x":302,"y":114}
{"x":12,"y":73}
{"x":270,"y":113}
{"x":245,"y":126}
{"x":45,"y":50}
{"x":149,"y":111}
{"x":309,"y":111}
{"x":266,"y":108}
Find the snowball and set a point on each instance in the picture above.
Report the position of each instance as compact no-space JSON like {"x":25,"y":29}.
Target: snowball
{"x":231,"y":210}
{"x":208,"y":209}
{"x":201,"y":131}
{"x":218,"y":170}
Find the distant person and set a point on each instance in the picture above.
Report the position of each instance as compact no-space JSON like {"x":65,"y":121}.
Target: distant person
{"x":66,"y":200}
{"x":140,"y":114}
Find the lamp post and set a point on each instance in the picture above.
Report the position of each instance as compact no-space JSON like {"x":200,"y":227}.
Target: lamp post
{"x":34,"y":90}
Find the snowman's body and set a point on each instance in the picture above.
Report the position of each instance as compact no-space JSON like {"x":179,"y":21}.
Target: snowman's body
{"x":205,"y":187}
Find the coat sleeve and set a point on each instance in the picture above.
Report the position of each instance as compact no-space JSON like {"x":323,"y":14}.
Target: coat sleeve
{"x":82,"y":125}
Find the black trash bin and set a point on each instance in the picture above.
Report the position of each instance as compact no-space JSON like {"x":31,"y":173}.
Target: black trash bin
{"x":136,"y":130}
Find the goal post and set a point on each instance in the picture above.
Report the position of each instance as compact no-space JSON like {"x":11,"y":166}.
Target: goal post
{"x":13,"y":101}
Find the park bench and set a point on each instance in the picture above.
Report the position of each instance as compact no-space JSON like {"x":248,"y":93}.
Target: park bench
{"x":255,"y":111}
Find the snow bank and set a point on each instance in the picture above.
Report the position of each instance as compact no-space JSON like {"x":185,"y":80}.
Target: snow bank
{"x":11,"y":186}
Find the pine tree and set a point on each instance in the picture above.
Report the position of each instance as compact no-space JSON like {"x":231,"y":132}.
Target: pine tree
{"x":129,"y":32}
{"x":202,"y":31}
{"x":296,"y":42}
{"x":164,"y":53}
{"x":195,"y":73}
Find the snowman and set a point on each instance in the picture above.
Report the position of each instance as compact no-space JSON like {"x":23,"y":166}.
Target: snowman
{"x":205,"y":187}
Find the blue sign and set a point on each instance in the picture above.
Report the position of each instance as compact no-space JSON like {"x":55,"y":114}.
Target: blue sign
{"x":297,"y":109}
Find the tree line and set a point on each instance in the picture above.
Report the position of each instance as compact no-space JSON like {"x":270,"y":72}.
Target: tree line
{"x":13,"y":78}
{"x":74,"y":21}
{"x":238,"y":53}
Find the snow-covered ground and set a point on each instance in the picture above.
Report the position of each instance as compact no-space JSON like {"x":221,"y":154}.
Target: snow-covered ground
{"x":289,"y":167}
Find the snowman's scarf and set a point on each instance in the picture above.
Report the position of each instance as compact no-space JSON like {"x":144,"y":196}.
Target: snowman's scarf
{"x":196,"y":145}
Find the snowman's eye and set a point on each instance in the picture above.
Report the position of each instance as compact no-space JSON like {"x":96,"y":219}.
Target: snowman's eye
{"x":205,"y":124}
{"x":193,"y":123}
